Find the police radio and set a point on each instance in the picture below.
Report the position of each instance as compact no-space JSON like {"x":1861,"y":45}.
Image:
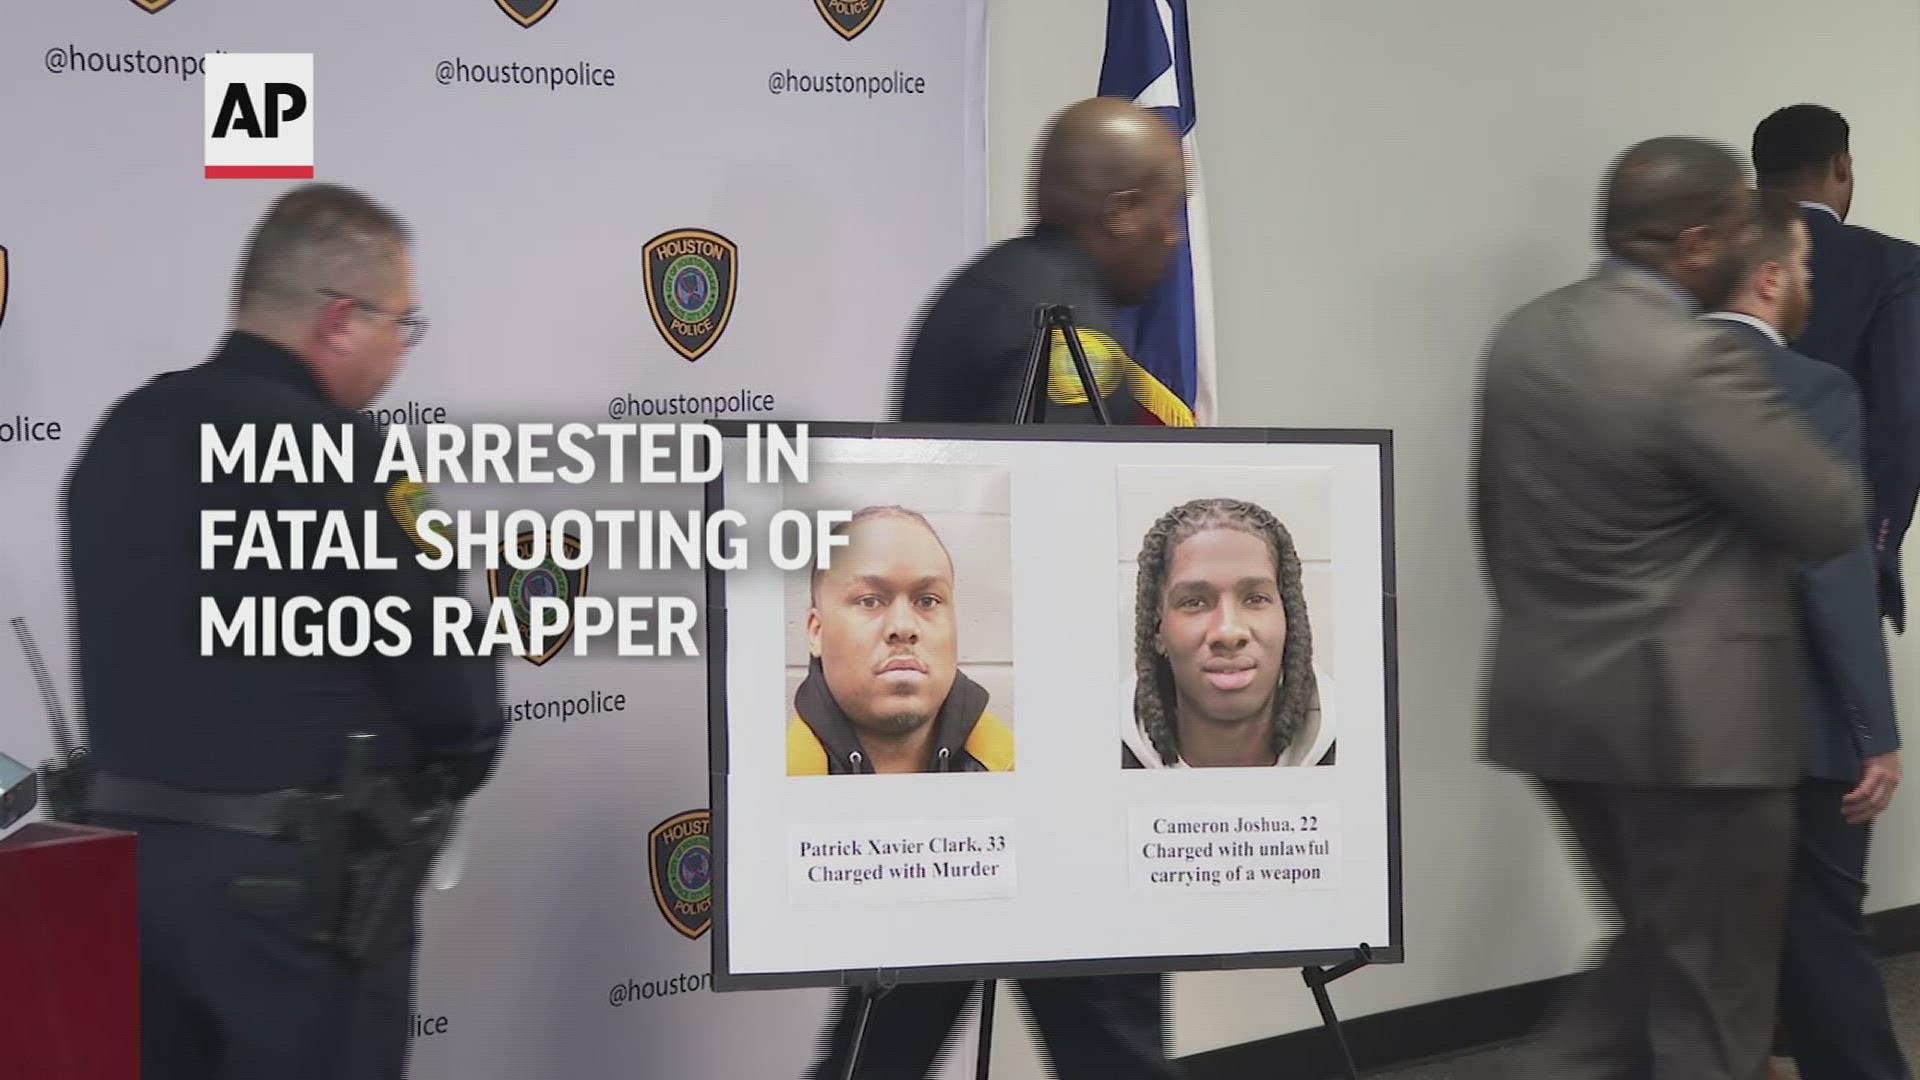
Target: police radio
{"x":65,"y":783}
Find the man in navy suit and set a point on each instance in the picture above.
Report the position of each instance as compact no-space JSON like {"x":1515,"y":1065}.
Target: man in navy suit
{"x":1833,"y":1002}
{"x":1866,"y":315}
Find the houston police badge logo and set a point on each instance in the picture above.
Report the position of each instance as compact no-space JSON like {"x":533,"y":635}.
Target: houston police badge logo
{"x":152,"y":6}
{"x":524,"y":12}
{"x":680,"y":856}
{"x":849,"y":18}
{"x":549,"y":578}
{"x":691,"y":279}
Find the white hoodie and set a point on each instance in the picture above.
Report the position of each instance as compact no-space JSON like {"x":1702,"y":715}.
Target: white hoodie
{"x":1310,"y":743}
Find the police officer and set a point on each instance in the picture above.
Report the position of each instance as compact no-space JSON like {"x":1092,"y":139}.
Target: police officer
{"x":265,"y":951}
{"x":1109,"y":193}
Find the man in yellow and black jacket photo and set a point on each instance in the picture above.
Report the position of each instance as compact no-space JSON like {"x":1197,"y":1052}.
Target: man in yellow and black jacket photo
{"x":884,"y":692}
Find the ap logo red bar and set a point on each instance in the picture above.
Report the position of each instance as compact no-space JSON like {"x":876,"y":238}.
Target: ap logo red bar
{"x":259,"y":116}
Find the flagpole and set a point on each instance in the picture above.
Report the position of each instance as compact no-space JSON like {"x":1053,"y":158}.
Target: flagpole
{"x":1206,"y":388}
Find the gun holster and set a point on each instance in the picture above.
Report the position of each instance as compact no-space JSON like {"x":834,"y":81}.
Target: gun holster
{"x":386,"y":872}
{"x":372,"y":847}
{"x":369,"y":845}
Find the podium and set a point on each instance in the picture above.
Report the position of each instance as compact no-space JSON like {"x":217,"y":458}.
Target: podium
{"x":69,"y":954}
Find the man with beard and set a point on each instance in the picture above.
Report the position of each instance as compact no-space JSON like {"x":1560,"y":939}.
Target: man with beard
{"x":1642,"y":491}
{"x":1833,"y":1001}
{"x":884,"y":692}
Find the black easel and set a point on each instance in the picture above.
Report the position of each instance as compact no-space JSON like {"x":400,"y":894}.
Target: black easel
{"x":983,"y":1053}
{"x":1032,"y":409}
{"x":872,"y":988}
{"x":1317,"y":979}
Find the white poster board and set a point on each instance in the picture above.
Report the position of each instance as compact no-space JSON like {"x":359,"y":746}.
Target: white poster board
{"x":987,"y":632}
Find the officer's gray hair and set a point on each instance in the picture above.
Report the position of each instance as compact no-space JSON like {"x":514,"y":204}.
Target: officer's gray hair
{"x":319,"y":237}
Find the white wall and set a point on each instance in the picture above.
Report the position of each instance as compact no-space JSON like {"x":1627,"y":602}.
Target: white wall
{"x":1386,"y":181}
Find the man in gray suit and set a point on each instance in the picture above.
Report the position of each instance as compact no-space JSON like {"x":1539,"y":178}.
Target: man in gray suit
{"x":1833,"y":1001}
{"x":1641,"y":493}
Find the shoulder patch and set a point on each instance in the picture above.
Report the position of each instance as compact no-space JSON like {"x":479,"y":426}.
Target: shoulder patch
{"x":407,"y":500}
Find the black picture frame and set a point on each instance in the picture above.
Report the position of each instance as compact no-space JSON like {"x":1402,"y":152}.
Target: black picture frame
{"x":1390,"y":952}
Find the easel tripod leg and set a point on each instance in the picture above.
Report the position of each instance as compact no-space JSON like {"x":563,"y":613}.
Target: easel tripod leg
{"x":1063,"y":322}
{"x":988,"y":991}
{"x":1031,"y":408}
{"x":868,"y":995}
{"x":1316,"y":979}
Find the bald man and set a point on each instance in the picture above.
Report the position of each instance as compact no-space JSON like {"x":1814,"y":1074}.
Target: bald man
{"x":1643,"y":490}
{"x":1108,"y":194}
{"x":884,"y":692}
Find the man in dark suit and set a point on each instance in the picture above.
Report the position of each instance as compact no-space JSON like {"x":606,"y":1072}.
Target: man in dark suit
{"x":1642,"y":490}
{"x":1866,"y":315}
{"x":1833,"y":1002}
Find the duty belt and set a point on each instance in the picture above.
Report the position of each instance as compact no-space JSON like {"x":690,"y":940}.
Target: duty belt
{"x":285,"y":814}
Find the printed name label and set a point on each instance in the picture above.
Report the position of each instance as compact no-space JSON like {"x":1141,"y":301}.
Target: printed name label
{"x":1235,"y":848}
{"x":895,"y":861}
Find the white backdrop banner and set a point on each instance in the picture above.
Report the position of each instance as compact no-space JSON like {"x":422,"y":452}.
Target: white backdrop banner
{"x":628,"y":211}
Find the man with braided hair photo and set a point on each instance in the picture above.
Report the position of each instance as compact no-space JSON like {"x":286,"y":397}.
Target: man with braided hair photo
{"x":1223,"y":647}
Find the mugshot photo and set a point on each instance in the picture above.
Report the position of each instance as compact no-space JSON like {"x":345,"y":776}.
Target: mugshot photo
{"x":1225,"y":580}
{"x":899,"y":654}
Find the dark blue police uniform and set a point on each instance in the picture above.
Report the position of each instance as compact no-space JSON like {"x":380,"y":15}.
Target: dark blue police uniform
{"x":220,"y":763}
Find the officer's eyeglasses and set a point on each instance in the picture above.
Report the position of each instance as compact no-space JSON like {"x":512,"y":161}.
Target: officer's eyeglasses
{"x":411,"y":323}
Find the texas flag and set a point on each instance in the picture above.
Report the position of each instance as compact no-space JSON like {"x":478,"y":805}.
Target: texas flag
{"x":1171,"y":335}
